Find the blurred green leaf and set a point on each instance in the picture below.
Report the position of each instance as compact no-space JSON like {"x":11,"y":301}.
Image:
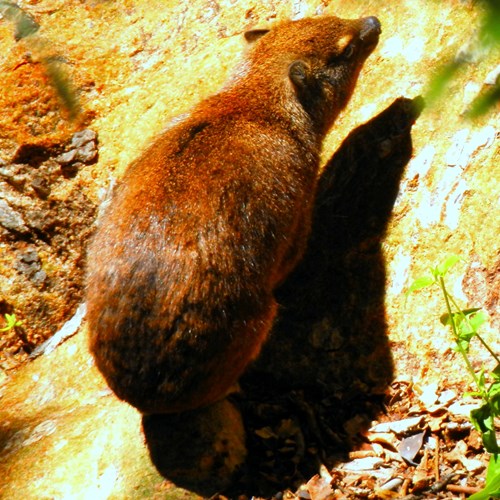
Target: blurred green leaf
{"x":489,"y":37}
{"x":62,"y":84}
{"x":484,"y":102}
{"x":24,"y":23}
{"x":490,"y":25}
{"x":440,"y":80}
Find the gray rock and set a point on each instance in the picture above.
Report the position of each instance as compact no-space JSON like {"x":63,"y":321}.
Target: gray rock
{"x":67,"y":158}
{"x":87,"y":152}
{"x":10,"y":219}
{"x":83,"y":137}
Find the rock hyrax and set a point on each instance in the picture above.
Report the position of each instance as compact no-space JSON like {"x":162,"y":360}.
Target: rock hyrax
{"x":213,"y":216}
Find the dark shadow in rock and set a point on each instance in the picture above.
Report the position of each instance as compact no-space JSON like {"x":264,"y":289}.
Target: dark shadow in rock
{"x":34,"y":154}
{"x":321,"y":376}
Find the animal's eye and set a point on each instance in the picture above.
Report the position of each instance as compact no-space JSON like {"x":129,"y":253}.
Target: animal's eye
{"x":349,"y":51}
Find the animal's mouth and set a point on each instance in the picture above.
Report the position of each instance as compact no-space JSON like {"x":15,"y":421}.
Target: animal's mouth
{"x":370,"y":32}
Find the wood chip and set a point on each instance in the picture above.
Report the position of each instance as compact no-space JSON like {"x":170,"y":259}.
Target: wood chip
{"x":362,"y":464}
{"x":400,"y":426}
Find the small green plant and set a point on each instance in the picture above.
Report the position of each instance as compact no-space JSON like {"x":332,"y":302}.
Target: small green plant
{"x":10,"y":322}
{"x":464,"y":324}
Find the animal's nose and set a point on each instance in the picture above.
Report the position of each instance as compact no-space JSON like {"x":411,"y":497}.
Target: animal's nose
{"x":371,"y":29}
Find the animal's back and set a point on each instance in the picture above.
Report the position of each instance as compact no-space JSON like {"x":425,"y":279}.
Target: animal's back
{"x":213,"y":216}
{"x":187,"y":289}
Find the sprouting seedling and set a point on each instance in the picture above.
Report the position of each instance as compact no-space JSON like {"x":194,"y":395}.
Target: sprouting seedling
{"x":10,"y":322}
{"x":464,"y":324}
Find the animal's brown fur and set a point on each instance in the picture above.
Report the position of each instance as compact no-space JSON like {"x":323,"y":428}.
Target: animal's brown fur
{"x":214,"y":215}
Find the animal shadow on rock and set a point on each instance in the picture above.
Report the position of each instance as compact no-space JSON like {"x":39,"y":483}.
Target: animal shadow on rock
{"x":327,"y":361}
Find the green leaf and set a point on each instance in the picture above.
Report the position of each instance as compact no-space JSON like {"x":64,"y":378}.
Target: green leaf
{"x":420,"y":283}
{"x":461,"y":346}
{"x":470,"y":311}
{"x":490,"y":441}
{"x":473,"y":394}
{"x":481,"y":380}
{"x":446,"y":318}
{"x":494,"y":390}
{"x":482,"y":419}
{"x":476,"y":317}
{"x":443,"y":268}
{"x":480,"y":416}
{"x":494,"y":398}
{"x":492,"y":488}
{"x":493,"y":468}
{"x":460,"y":316}
{"x":467,"y":334}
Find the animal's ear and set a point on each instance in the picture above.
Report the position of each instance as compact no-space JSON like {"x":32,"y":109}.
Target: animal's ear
{"x":251,"y":36}
{"x":298,"y":72}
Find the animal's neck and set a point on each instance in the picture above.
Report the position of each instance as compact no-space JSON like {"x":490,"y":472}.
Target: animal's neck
{"x":274,"y":103}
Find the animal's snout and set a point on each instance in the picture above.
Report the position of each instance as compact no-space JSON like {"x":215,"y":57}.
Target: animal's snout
{"x":370,"y":30}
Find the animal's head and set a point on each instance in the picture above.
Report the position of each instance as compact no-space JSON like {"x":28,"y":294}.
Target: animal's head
{"x":320,"y":58}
